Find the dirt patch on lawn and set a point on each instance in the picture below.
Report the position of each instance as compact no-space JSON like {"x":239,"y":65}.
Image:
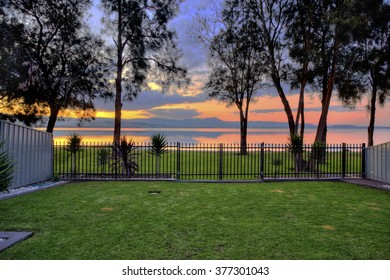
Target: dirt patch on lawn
{"x":329,"y":227}
{"x":278,"y":191}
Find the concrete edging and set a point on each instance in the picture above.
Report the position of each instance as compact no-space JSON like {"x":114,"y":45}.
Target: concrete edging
{"x":11,"y":238}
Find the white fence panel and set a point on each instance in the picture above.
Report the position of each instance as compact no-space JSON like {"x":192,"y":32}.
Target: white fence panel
{"x":32,"y":152}
{"x":378,"y":163}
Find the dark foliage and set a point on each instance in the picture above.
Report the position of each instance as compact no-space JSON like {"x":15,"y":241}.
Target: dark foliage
{"x":124,"y":155}
{"x":237,"y":60}
{"x":158,"y":144}
{"x":144,"y":46}
{"x":63,"y":59}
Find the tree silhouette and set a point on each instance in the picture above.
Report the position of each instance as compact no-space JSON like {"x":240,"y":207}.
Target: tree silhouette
{"x":300,"y":33}
{"x":143,"y":43}
{"x":366,"y":63}
{"x":271,"y":18}
{"x":65,"y":70}
{"x":13,"y":71}
{"x":236,"y":60}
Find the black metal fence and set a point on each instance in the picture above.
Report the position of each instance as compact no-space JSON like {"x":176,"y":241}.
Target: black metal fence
{"x":208,"y":162}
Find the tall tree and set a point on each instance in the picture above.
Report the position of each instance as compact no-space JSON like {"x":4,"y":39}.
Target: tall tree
{"x":12,"y":68}
{"x":336,"y":22}
{"x":328,"y":41}
{"x":366,"y":66}
{"x":300,"y":33}
{"x":143,"y":42}
{"x":271,"y":19}
{"x":64,"y":66}
{"x":236,"y":60}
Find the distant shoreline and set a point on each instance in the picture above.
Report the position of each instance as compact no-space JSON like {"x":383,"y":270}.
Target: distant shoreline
{"x":209,"y":123}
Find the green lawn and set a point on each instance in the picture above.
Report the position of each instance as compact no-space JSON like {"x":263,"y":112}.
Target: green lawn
{"x":122,"y":220}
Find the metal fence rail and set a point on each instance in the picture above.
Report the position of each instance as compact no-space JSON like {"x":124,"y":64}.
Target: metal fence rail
{"x":185,"y":161}
{"x":31,"y":150}
{"x":378,"y":163}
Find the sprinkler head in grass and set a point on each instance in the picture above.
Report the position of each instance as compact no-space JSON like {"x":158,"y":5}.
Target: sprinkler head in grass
{"x":154,"y":192}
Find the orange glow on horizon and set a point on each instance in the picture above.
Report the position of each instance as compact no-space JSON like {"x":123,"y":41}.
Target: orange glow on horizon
{"x":126,"y":114}
{"x":227,"y":136}
{"x":264,"y":108}
{"x":108,"y":139}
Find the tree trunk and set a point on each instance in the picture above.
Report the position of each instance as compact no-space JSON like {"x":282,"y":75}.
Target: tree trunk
{"x":322,"y":125}
{"x":286,"y":105}
{"x":52,"y":119}
{"x":302,"y":131}
{"x":300,"y":112}
{"x":118,"y":108}
{"x":118,"y":80}
{"x":318,"y":154}
{"x":243,"y":133}
{"x":269,"y":36}
{"x":299,"y":163}
{"x":371,"y":125}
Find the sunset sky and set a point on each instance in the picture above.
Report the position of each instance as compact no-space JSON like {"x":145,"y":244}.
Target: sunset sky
{"x":193,"y":102}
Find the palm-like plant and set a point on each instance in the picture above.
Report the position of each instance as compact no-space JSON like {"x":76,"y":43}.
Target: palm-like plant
{"x":125,"y":155}
{"x":103,"y":158}
{"x":295,"y":146}
{"x":158,"y":147}
{"x":6,"y":169}
{"x":73,"y":147}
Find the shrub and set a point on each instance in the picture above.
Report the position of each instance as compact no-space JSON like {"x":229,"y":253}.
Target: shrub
{"x":103,"y":158}
{"x":73,"y":146}
{"x":295,"y":146}
{"x":158,"y":147}
{"x":158,"y":144}
{"x":74,"y":143}
{"x":7,"y":168}
{"x":125,"y":155}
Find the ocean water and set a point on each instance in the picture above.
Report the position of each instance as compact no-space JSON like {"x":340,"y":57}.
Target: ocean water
{"x":220,"y":135}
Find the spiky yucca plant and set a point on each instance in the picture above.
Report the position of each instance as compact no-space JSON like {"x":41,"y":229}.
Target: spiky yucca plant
{"x":295,"y":146}
{"x":103,"y":158}
{"x":7,"y":169}
{"x":158,"y":147}
{"x":73,"y":147}
{"x":125,"y":155}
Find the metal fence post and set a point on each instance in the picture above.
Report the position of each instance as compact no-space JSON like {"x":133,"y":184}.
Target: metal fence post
{"x":220,"y":161}
{"x":343,"y":160}
{"x":262,"y":161}
{"x":178,"y":161}
{"x":116,"y":160}
{"x":363,"y":151}
{"x":53,"y":159}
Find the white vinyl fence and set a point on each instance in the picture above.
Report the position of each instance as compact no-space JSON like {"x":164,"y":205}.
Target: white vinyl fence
{"x":32,"y":152}
{"x":378,"y":163}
